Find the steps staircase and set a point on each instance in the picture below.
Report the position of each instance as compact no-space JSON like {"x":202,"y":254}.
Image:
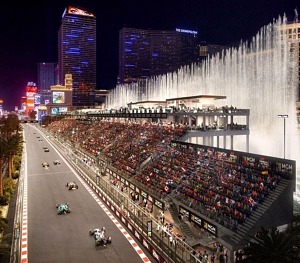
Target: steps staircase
{"x":246,"y":227}
{"x":181,"y":224}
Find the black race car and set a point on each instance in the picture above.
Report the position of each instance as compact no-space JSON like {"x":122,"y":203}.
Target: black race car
{"x":63,"y":208}
{"x":72,"y":185}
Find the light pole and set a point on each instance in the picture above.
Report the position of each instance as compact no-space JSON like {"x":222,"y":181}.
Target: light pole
{"x":284,"y":116}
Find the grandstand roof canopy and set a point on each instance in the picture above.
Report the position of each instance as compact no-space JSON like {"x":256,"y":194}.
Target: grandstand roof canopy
{"x":188,"y":101}
{"x":199,"y":101}
{"x":147,"y":104}
{"x":198,"y":97}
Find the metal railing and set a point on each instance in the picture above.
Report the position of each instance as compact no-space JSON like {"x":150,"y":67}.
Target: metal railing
{"x":176,"y":252}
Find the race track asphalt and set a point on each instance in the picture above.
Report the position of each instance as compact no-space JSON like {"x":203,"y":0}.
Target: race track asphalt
{"x":65,"y":238}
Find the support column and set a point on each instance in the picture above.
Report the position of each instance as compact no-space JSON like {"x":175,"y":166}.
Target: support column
{"x":247,"y":143}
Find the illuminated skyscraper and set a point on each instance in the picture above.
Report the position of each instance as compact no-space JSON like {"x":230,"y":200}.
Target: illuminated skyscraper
{"x":145,"y":53}
{"x":77,"y":54}
{"x":46,"y":76}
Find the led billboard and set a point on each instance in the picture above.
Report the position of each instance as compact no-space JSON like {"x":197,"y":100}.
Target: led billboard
{"x":58,"y":97}
{"x":37,"y":99}
{"x":78,"y":11}
{"x":57,"y":110}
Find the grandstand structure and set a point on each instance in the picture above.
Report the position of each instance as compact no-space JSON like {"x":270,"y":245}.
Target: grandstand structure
{"x":227,"y":193}
{"x":208,"y":124}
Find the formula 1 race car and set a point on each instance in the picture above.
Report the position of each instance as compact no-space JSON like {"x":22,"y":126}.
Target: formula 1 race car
{"x":101,"y":239}
{"x":63,"y":208}
{"x":45,"y":164}
{"x":72,"y":185}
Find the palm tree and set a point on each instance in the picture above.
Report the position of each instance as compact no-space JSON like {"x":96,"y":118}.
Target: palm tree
{"x":5,"y":239}
{"x":10,"y":125}
{"x":4,"y":150}
{"x":15,"y":146}
{"x":5,"y":246}
{"x":9,"y":142}
{"x":273,"y":246}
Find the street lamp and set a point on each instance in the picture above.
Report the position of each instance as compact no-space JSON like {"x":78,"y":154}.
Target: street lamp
{"x":284,"y":116}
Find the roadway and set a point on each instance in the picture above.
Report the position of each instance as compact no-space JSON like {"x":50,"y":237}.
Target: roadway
{"x":65,"y":238}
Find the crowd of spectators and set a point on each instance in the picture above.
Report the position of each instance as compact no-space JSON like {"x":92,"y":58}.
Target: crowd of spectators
{"x":208,"y":181}
{"x":125,"y":144}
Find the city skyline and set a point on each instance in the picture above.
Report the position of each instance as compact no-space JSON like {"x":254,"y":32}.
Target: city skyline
{"x":29,"y":33}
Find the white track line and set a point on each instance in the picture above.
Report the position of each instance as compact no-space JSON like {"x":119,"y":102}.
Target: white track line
{"x":24,"y":252}
{"x":129,"y":238}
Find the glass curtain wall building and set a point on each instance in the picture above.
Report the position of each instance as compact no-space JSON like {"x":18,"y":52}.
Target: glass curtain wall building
{"x":77,"y":54}
{"x":46,"y":76}
{"x":145,"y":53}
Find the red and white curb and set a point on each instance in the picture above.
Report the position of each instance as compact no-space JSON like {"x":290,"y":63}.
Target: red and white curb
{"x":24,"y":243}
{"x":129,"y":238}
{"x":24,"y":252}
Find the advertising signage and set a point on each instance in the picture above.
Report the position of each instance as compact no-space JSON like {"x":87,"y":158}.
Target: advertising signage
{"x":210,"y":228}
{"x":58,"y":97}
{"x":199,"y":221}
{"x":57,"y":110}
{"x":158,"y":204}
{"x":78,"y":11}
{"x":263,"y":164}
{"x":184,"y":212}
{"x":37,"y":99}
{"x":186,"y":31}
{"x":31,"y":87}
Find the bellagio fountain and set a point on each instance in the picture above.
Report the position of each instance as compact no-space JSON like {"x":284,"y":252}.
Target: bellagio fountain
{"x":260,"y":74}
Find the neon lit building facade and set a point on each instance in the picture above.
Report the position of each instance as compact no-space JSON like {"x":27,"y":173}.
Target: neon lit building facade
{"x":77,"y":54}
{"x":31,"y":91}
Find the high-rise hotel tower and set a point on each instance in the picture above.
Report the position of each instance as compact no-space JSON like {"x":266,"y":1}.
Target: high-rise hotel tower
{"x":146,"y":53}
{"x":77,"y":54}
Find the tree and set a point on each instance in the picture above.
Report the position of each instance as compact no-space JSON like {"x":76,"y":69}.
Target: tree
{"x":9,"y":138}
{"x":10,"y":124}
{"x":273,"y":246}
{"x":5,"y":247}
{"x":15,"y":146}
{"x":5,"y":241}
{"x":4,"y":149}
{"x":32,"y":115}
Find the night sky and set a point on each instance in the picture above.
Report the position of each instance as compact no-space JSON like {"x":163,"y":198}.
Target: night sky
{"x":29,"y":31}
